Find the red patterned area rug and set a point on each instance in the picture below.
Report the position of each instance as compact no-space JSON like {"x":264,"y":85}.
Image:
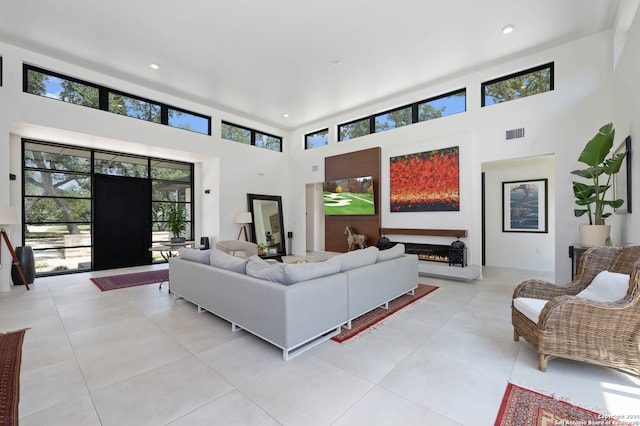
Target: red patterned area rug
{"x":10,"y":360}
{"x":115,"y":282}
{"x":370,"y":319}
{"x":523,"y":407}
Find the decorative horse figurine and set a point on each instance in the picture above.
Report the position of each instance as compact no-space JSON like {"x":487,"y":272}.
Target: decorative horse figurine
{"x":354,"y":240}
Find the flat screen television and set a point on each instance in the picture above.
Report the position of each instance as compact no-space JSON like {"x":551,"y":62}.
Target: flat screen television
{"x":353,"y":196}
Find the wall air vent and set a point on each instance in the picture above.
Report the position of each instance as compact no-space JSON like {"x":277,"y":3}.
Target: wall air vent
{"x":515,"y":133}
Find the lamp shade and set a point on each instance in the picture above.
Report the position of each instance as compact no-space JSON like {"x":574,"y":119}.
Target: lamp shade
{"x":8,"y":215}
{"x":243,"y":217}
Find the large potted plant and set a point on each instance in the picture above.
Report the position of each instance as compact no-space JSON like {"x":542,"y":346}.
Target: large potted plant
{"x":591,"y":196}
{"x":177,"y":221}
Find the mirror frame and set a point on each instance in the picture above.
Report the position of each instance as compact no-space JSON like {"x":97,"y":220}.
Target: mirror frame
{"x":251,"y":198}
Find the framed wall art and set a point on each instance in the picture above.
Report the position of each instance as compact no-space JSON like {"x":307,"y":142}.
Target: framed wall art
{"x":425,"y":181}
{"x":622,"y":180}
{"x":524,"y":206}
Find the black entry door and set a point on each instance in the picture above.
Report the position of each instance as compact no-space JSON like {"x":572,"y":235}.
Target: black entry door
{"x":121,"y":222}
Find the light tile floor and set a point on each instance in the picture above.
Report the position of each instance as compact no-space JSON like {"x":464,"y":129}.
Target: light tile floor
{"x":138,"y":357}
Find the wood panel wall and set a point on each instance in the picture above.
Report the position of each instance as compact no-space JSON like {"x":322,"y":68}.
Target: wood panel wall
{"x":351,"y":165}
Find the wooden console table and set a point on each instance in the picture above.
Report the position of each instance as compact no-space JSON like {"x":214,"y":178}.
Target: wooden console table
{"x":575,"y":253}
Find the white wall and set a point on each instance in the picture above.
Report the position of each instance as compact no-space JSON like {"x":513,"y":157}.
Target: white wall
{"x":557,"y":123}
{"x":626,"y":97}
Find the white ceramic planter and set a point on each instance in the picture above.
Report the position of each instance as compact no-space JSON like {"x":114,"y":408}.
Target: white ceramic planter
{"x":594,"y":235}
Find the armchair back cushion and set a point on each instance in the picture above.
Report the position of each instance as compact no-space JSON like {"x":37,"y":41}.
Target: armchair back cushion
{"x":606,"y":287}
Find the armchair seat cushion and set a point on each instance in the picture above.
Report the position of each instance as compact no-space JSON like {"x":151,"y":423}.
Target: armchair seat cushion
{"x":529,"y":307}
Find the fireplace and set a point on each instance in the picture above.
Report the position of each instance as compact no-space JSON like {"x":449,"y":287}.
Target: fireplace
{"x":453,"y":254}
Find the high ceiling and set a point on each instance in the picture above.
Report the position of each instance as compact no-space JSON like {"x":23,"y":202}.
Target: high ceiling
{"x":305,"y":58}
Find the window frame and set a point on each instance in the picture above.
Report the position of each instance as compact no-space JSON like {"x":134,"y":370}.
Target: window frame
{"x":252,"y":133}
{"x":549,"y":65}
{"x":340,"y":126}
{"x":374,"y":129}
{"x":416,"y":111}
{"x":317,"y":132}
{"x":414,"y":114}
{"x":91,"y":154}
{"x":103,"y":97}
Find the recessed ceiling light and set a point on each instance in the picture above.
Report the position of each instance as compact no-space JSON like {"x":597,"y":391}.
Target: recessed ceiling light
{"x":508,"y":29}
{"x":285,"y":115}
{"x":154,"y":66}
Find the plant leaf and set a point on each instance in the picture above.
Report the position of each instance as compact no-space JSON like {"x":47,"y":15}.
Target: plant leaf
{"x":613,"y":164}
{"x":589,"y":173}
{"x":597,"y":149}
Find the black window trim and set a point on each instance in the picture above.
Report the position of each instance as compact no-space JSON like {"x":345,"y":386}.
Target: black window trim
{"x":326,"y":129}
{"x":445,"y":95}
{"x":371,"y":120}
{"x":92,"y":151}
{"x":252,"y":132}
{"x":103,"y":97}
{"x":549,"y":65}
{"x":414,"y":112}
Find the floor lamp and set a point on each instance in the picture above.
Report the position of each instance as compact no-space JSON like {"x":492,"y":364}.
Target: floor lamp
{"x":243,"y":218}
{"x":9,"y":216}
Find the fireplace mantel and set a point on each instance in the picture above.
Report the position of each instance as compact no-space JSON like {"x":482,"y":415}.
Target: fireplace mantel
{"x":457,"y":233}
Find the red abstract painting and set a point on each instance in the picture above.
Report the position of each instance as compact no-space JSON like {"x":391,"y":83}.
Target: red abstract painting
{"x":425,"y":181}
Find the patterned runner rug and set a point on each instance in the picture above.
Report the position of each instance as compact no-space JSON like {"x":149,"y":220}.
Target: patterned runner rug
{"x":524,"y":407}
{"x":10,"y":360}
{"x":115,"y":282}
{"x":370,"y":319}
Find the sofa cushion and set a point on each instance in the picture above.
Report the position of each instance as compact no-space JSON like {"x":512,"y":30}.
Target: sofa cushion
{"x":297,"y":272}
{"x":391,"y":253}
{"x":258,"y":268}
{"x":222,"y":260}
{"x":606,"y":287}
{"x":291,"y":273}
{"x":357,"y":258}
{"x":529,"y":307}
{"x":193,"y":255}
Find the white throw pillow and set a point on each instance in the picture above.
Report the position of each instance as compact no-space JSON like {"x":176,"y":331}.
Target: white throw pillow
{"x":391,"y":253}
{"x":193,"y":255}
{"x":258,"y":268}
{"x":223,"y":260}
{"x":529,"y":307}
{"x":358,"y":258}
{"x":606,"y":287}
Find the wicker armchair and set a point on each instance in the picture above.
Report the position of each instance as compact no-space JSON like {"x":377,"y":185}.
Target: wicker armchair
{"x":576,"y":328}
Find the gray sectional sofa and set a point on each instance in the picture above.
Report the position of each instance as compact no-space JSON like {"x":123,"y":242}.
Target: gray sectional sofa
{"x":292,"y":306}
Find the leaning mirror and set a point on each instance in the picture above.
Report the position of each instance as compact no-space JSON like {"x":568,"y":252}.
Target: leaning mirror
{"x":267,"y":226}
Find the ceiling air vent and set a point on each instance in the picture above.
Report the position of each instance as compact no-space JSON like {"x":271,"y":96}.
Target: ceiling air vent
{"x":515,"y":133}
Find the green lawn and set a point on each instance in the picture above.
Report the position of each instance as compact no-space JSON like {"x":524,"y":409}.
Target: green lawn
{"x":348,"y":203}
